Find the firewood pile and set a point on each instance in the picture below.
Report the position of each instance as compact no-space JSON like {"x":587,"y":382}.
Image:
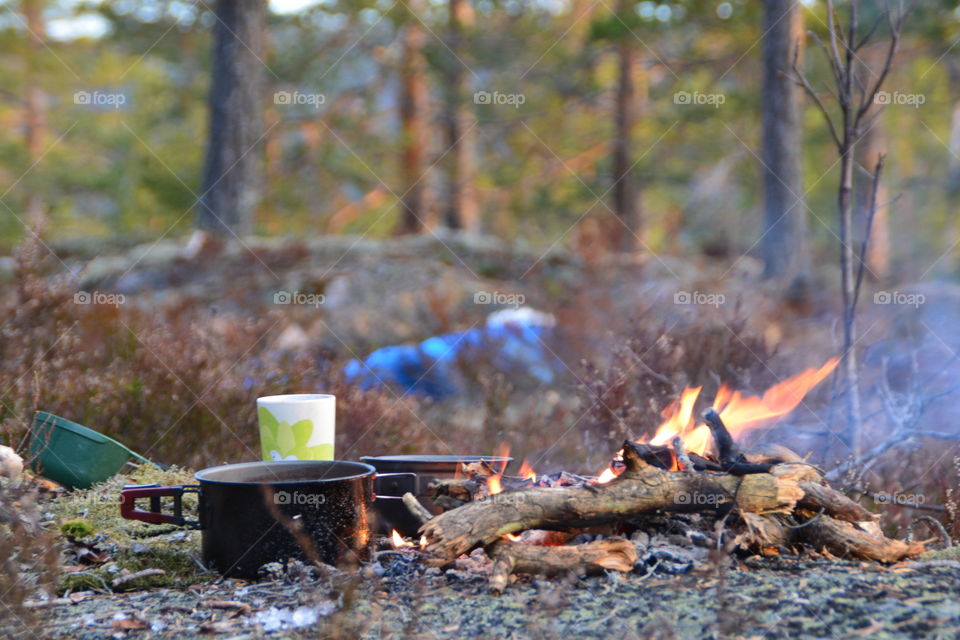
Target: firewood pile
{"x":765,"y":501}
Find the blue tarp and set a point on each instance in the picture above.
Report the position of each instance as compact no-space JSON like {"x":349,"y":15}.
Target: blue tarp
{"x":513,"y":340}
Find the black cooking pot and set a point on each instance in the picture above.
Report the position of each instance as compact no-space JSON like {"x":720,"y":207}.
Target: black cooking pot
{"x":259,"y":512}
{"x":397,"y":475}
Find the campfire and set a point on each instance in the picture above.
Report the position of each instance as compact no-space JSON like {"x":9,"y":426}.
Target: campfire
{"x":690,"y":476}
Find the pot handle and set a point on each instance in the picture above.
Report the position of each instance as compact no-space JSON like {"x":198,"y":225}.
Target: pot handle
{"x":131,"y":493}
{"x":396,"y":484}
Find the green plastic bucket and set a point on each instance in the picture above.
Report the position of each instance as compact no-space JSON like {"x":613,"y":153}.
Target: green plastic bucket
{"x":73,"y":455}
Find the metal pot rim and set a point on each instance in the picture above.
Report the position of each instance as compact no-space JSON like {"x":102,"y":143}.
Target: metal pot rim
{"x":435,"y":458}
{"x":362,"y":470}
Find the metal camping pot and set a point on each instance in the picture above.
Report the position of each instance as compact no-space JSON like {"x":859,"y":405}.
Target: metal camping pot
{"x":254,"y":513}
{"x":397,"y":475}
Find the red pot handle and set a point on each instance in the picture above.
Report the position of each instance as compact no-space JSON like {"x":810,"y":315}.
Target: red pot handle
{"x":130,"y":495}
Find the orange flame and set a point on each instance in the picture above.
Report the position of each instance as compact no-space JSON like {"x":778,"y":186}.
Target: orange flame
{"x":493,"y":484}
{"x":679,"y":417}
{"x":398,"y":541}
{"x":527,"y":472}
{"x":502,"y":451}
{"x":742,"y":414}
{"x":739,"y":413}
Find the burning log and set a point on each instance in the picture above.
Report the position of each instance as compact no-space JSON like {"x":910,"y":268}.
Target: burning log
{"x":584,"y":559}
{"x":731,"y":460}
{"x":640,"y":489}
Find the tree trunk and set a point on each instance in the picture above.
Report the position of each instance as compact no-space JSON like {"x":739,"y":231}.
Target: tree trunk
{"x":847,"y":283}
{"x":413,"y":105}
{"x":783,"y":244}
{"x":461,"y":212}
{"x":953,"y":169}
{"x":34,"y":106}
{"x":231,"y":173}
{"x":869,"y":148}
{"x":624,"y":233}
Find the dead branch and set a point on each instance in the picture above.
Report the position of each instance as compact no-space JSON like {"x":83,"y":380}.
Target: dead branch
{"x":857,"y":540}
{"x":871,"y":214}
{"x":896,"y":439}
{"x":416,"y":509}
{"x":817,"y":497}
{"x":584,"y":559}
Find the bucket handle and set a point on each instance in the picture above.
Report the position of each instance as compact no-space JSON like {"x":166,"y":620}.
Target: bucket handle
{"x":131,"y":493}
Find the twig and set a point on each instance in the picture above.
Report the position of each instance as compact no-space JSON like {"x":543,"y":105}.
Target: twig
{"x":145,"y":573}
{"x":871,"y":214}
{"x":933,"y":523}
{"x":416,"y":508}
{"x":894,"y":440}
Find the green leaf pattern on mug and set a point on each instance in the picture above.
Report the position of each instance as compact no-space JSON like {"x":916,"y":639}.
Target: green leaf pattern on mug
{"x":283,"y":441}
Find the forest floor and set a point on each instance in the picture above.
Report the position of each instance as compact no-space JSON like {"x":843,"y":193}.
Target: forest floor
{"x":773,"y":598}
{"x":694,"y":594}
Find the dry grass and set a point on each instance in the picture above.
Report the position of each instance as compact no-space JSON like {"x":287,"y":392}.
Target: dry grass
{"x":178,"y":387}
{"x":29,"y":561}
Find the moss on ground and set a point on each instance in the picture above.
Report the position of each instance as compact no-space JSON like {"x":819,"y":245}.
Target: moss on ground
{"x":99,"y":506}
{"x":951,"y":553}
{"x":93,"y":516}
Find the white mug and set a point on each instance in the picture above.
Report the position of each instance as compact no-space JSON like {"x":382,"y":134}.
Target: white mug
{"x":300,"y":426}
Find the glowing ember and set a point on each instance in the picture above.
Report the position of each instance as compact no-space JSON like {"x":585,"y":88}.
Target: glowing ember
{"x":423,"y":542}
{"x":398,"y":541}
{"x":606,"y":476}
{"x":493,"y":484}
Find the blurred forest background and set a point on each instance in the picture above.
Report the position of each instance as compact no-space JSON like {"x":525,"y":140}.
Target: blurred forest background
{"x":385,"y":87}
{"x":647,"y":173}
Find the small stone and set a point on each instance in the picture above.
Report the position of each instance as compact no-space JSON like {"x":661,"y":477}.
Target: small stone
{"x":271,"y":571}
